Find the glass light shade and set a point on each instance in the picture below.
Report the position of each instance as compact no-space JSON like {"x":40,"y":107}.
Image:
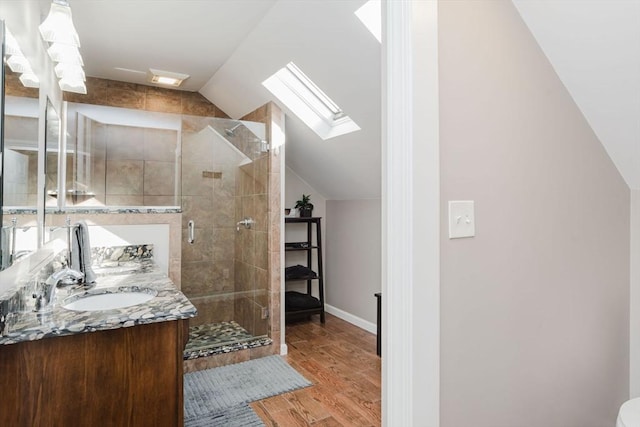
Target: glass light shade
{"x":65,"y":53}
{"x":74,"y":71}
{"x":58,"y":26}
{"x":68,"y":84}
{"x":19,"y":64}
{"x":30,"y":80}
{"x":11,"y":45}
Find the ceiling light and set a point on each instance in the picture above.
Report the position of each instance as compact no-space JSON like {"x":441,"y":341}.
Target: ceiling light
{"x":58,"y":26}
{"x":11,"y":46}
{"x":58,"y":30}
{"x":30,"y":80}
{"x":166,"y":78}
{"x":75,"y":71}
{"x":65,"y":53}
{"x":19,"y":64}
{"x":69,"y":84}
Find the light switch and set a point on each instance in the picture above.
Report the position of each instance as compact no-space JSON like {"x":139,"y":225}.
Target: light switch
{"x":461,"y":219}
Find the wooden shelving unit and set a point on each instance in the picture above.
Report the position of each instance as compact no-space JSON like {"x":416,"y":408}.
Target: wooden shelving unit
{"x":312,"y":250}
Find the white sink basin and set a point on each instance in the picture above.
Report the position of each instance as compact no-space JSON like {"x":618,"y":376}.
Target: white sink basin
{"x":109,"y":298}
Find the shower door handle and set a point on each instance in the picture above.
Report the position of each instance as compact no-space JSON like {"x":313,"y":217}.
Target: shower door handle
{"x":191,"y":231}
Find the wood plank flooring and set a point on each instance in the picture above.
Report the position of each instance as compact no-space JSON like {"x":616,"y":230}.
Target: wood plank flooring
{"x":340,"y":360}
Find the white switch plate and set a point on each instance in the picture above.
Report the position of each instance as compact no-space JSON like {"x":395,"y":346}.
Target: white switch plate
{"x":461,"y":219}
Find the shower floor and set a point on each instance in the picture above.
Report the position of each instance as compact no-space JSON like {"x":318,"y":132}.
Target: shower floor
{"x":216,"y":338}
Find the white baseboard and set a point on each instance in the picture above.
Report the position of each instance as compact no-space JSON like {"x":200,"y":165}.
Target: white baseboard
{"x":354,"y":320}
{"x":283,"y":350}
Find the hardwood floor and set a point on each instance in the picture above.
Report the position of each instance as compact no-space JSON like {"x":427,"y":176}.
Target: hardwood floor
{"x":340,"y":360}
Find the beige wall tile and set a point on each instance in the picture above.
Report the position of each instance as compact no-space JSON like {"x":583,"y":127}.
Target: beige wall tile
{"x":160,"y":144}
{"x":115,"y":200}
{"x":202,"y":247}
{"x":193,"y":183}
{"x":125,"y":143}
{"x":159,"y":178}
{"x":124,"y":177}
{"x":198,"y":209}
{"x":162,"y":103}
{"x":161,"y":200}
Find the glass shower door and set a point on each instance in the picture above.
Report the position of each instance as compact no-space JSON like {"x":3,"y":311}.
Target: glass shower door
{"x":225,"y":264}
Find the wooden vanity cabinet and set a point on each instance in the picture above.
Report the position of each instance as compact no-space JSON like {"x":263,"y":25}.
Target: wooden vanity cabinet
{"x":122,"y":377}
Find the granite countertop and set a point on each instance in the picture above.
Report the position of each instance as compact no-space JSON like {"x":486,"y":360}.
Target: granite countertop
{"x":169,"y":304}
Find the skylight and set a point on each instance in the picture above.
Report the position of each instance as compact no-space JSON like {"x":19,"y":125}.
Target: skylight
{"x":370,"y":14}
{"x":306,"y":100}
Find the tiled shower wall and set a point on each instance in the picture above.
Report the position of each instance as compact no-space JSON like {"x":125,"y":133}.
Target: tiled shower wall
{"x":273,"y":118}
{"x":251,"y":251}
{"x":208,"y":200}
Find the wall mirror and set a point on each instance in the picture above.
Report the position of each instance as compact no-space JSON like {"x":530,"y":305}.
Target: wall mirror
{"x":52,"y":148}
{"x":21,"y":153}
{"x":18,"y":203}
{"x":121,"y":157}
{"x":3,"y":238}
{"x":51,"y":160}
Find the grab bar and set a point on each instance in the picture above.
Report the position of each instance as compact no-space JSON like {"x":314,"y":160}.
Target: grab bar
{"x":191,"y":226}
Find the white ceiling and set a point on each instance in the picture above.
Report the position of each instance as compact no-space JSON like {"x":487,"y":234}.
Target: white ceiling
{"x":594,"y":46}
{"x":187,"y":36}
{"x":230,"y":46}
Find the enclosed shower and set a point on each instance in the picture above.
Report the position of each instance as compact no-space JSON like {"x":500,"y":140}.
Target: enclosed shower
{"x":224,"y":270}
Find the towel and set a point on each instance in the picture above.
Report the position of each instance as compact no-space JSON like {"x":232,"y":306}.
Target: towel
{"x":81,"y":251}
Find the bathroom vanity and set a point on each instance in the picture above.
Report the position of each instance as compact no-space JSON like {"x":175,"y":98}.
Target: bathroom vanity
{"x":114,"y":367}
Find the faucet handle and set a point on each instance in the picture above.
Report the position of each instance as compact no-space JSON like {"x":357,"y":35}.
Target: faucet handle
{"x":43,"y":295}
{"x":65,"y":277}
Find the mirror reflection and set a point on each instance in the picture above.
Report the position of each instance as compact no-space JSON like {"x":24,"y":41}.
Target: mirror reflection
{"x":122,"y":157}
{"x":21,"y":152}
{"x":20,"y":171}
{"x":52,"y":147}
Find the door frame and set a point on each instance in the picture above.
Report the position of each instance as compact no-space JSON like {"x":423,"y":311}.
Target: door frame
{"x":410,"y":215}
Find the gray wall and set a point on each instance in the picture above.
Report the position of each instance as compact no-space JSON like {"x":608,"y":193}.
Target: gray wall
{"x":535,"y":308}
{"x":295,"y":187}
{"x":353,"y":256}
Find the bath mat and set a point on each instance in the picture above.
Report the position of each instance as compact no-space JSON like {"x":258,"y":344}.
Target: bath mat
{"x":212,"y":392}
{"x":238,"y":416}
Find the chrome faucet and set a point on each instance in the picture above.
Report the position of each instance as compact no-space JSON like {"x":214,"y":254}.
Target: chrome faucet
{"x":46,"y":291}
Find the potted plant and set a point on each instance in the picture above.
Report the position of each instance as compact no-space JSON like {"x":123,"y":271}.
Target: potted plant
{"x":304,"y":206}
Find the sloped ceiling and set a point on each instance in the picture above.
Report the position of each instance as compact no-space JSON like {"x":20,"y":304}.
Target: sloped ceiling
{"x":229,"y":47}
{"x":330,"y":44}
{"x":594,"y":46}
{"x":122,"y":39}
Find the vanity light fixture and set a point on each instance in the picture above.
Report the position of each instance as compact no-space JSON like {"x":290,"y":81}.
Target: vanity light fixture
{"x":166,"y":78}
{"x":29,"y":80}
{"x":58,"y":30}
{"x":58,"y":26}
{"x":64,"y":69}
{"x":11,"y":45}
{"x":18,"y":63}
{"x":65,"y":53}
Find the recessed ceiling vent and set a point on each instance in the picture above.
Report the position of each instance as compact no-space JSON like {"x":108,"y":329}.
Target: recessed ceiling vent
{"x":166,"y":78}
